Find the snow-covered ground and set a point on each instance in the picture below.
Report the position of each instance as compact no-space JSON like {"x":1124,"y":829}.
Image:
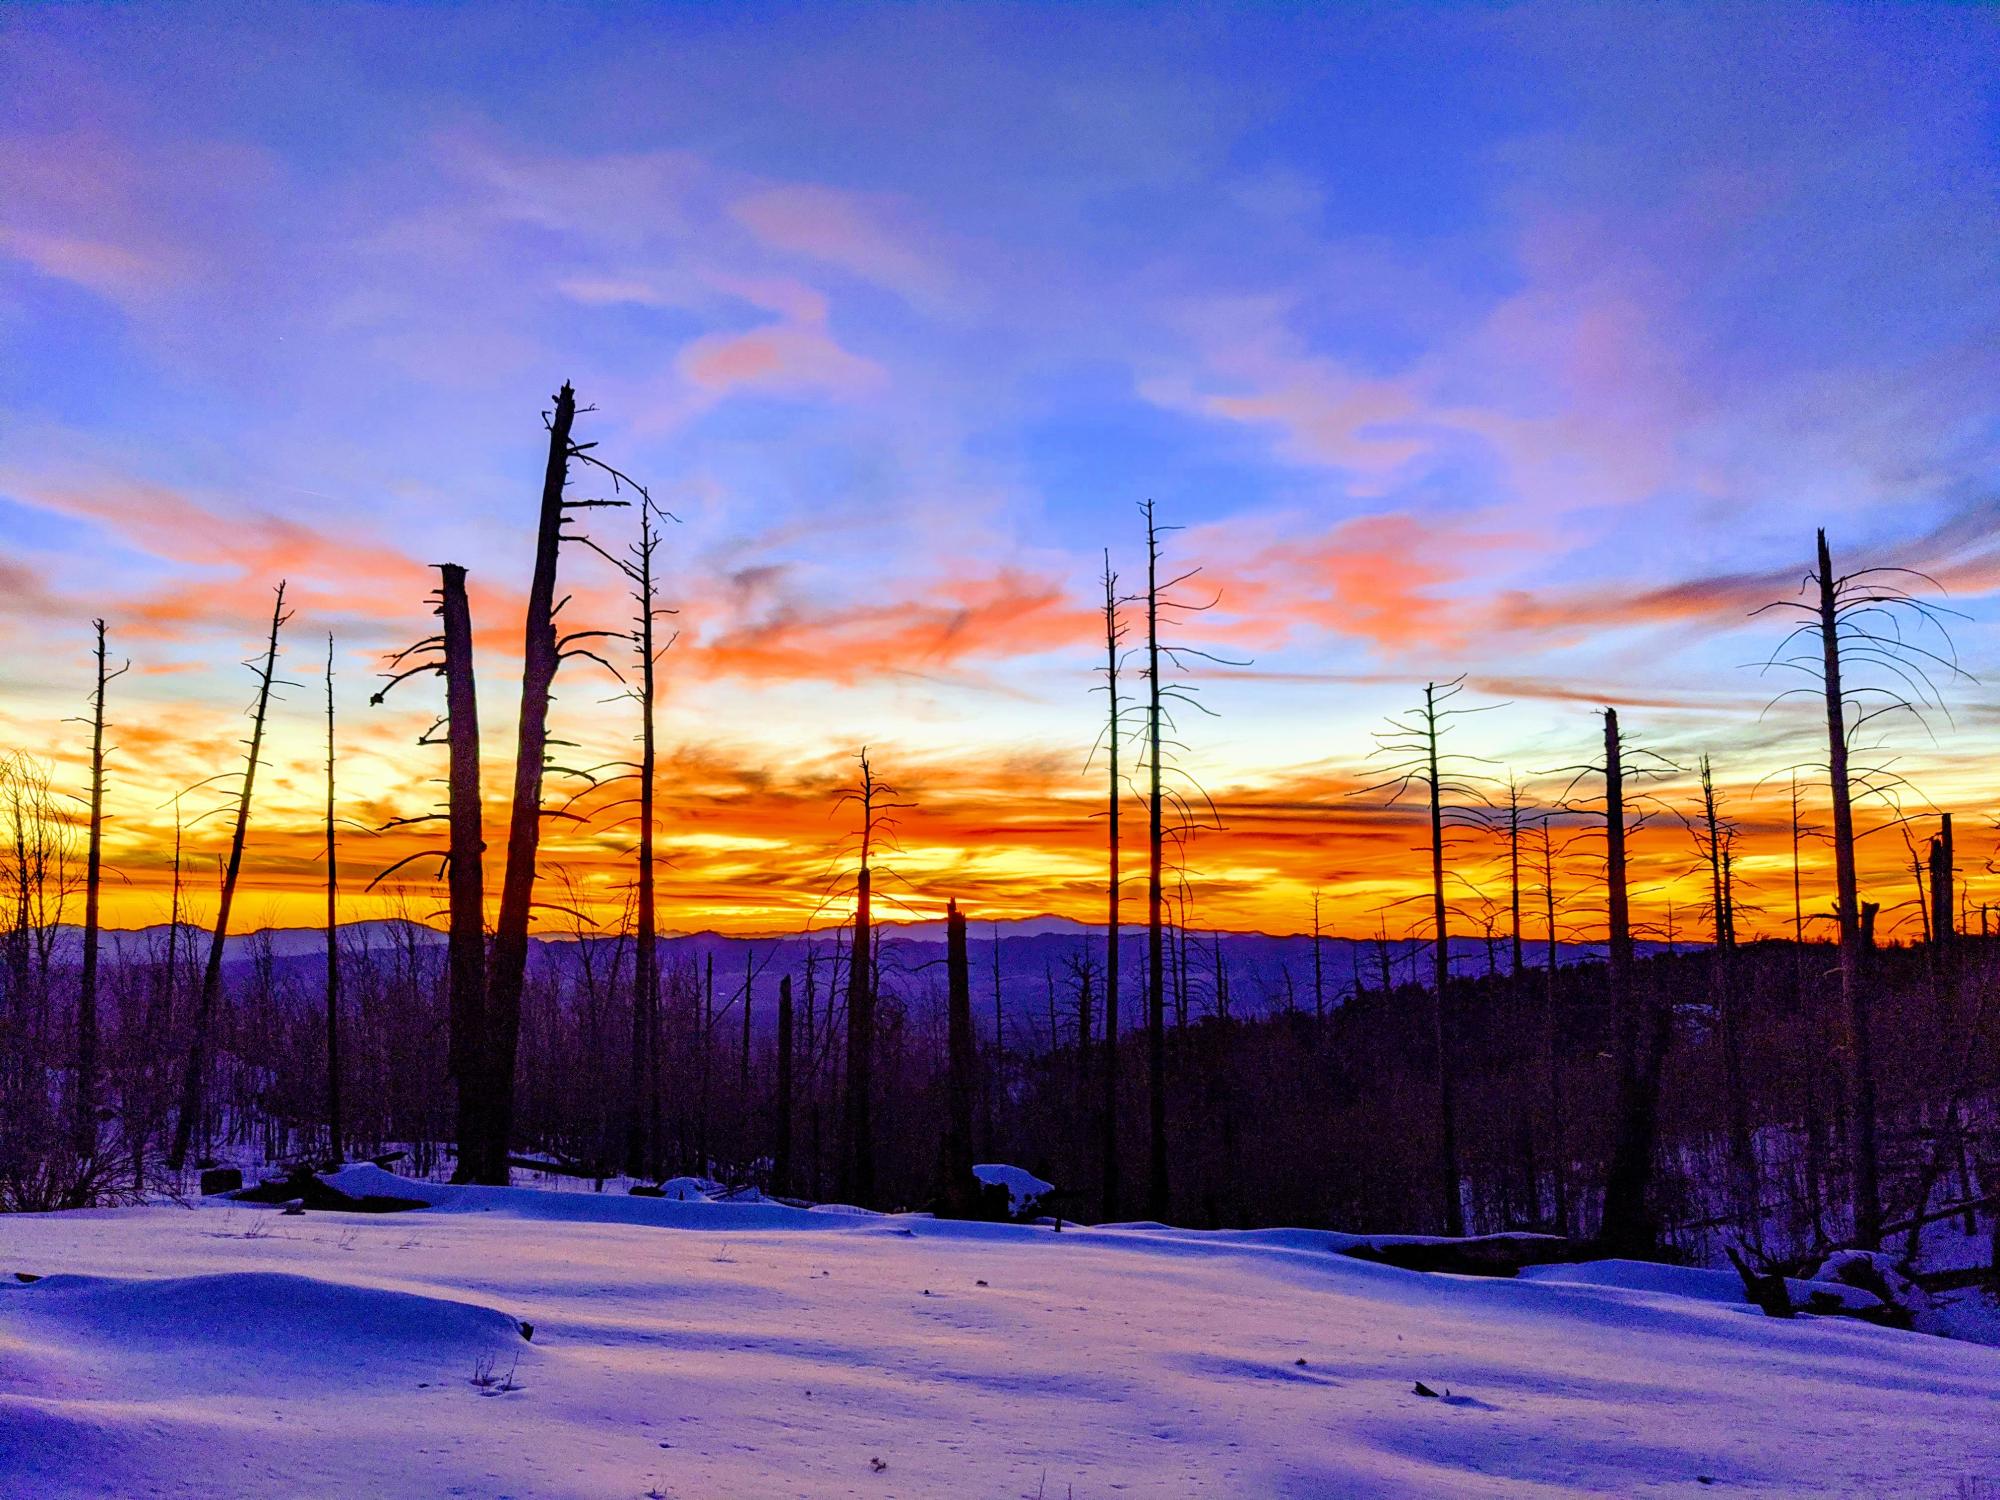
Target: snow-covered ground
{"x":700,"y":1350}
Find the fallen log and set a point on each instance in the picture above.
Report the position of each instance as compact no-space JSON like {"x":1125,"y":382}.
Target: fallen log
{"x":313,"y":1191}
{"x":1476,"y":1255}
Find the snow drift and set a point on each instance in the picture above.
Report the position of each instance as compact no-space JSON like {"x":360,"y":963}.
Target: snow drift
{"x":235,"y":1351}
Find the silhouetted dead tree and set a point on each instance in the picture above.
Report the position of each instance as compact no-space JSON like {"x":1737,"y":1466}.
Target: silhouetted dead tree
{"x":644,"y":1074}
{"x":1159,"y":600}
{"x":333,"y":1134}
{"x":1157,"y":1202}
{"x":1805,"y":1003}
{"x":1511,"y":811}
{"x":1872,"y":619}
{"x":1550,"y":851}
{"x":878,"y":803}
{"x":448,"y":654}
{"x":84,"y":1110}
{"x":1416,"y":760}
{"x":1114,"y":637}
{"x":193,"y":1076}
{"x":543,"y":652}
{"x":1643,"y":1026}
{"x":1715,"y":836}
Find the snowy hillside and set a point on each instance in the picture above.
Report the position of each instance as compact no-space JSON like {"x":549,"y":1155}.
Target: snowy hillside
{"x":699,"y":1350}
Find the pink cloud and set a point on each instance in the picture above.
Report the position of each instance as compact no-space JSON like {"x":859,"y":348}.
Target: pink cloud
{"x":124,"y":220}
{"x":783,"y":357}
{"x":839,"y":229}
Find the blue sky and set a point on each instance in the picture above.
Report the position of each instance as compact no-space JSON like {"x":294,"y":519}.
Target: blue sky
{"x":1523,"y":342}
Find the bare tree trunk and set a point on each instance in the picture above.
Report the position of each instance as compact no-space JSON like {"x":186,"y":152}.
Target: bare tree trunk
{"x":1514,"y":869}
{"x":1441,"y":1027}
{"x":1157,"y":1195}
{"x":1742,"y":1158}
{"x":85,"y":1114}
{"x":1808,"y":1013}
{"x":781,"y":1155}
{"x":643,"y":1124}
{"x":211,"y":980}
{"x":1552,"y":1041}
{"x":960,"y":1187}
{"x":1319,"y":974}
{"x":1866,"y":1195}
{"x":1630,"y":1227}
{"x":334,"y":1142}
{"x":466,"y":938}
{"x":540,"y":655}
{"x":1108,"y":1130}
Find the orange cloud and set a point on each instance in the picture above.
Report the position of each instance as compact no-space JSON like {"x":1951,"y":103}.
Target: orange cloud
{"x":1008,"y":613}
{"x":235,"y":556}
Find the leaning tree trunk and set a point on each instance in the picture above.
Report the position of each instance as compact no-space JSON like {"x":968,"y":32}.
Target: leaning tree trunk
{"x":540,"y":656}
{"x":467,"y":876}
{"x":334,"y":1143}
{"x":1866,"y":1194}
{"x":85,"y":1111}
{"x":211,"y":980}
{"x":858,"y":1139}
{"x":960,"y":1193}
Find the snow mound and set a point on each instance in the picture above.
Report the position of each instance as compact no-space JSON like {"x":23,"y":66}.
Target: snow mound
{"x":299,"y":1319}
{"x":1024,"y":1189}
{"x":366,"y":1180}
{"x":688,"y":1189}
{"x":684,"y":1202}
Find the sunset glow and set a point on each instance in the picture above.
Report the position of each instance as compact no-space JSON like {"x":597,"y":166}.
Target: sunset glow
{"x":1525,"y":345}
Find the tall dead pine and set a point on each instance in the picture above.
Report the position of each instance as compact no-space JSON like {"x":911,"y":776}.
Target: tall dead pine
{"x":1441,"y":1028}
{"x":1414,"y":744}
{"x":1108,"y":1125}
{"x":1157,"y":1197}
{"x":84,"y":1105}
{"x":194,"y":1073}
{"x":1715,"y":839}
{"x":334,"y":1143}
{"x":448,"y":654}
{"x":1867,"y":619}
{"x":541,"y":655}
{"x":1631,"y":1226}
{"x":877,"y":802}
{"x":466,"y":872}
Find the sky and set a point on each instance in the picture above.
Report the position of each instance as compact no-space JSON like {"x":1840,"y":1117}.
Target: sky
{"x":1524,"y":344}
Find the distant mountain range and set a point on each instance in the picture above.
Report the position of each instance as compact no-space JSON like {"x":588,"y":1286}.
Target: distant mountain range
{"x":1263,"y":972}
